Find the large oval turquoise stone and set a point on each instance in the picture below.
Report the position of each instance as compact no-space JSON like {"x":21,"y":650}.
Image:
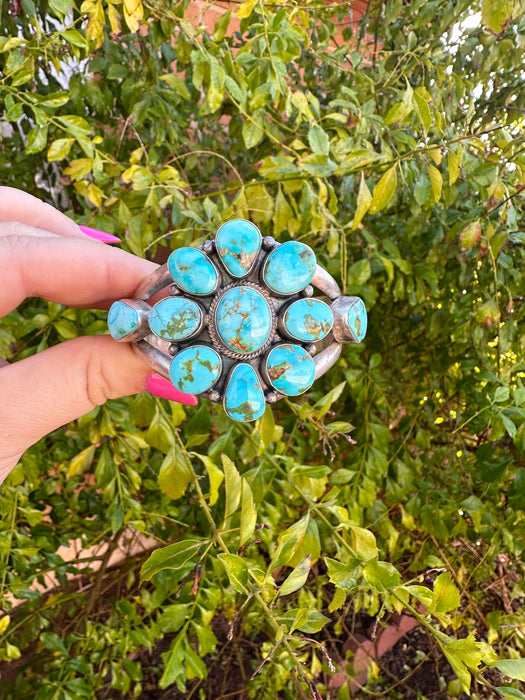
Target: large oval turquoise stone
{"x":122,"y":320}
{"x":193,"y":271}
{"x":243,"y":319}
{"x":290,"y":369}
{"x":289,"y":268}
{"x":358,"y":319}
{"x":195,"y":369}
{"x":308,"y":320}
{"x":175,"y":318}
{"x":244,"y":397}
{"x":238,"y":243}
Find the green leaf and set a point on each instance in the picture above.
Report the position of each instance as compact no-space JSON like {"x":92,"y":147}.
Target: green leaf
{"x":511,"y":693}
{"x":175,"y":474}
{"x":384,"y":190}
{"x":178,"y":558}
{"x":248,"y":513}
{"x":402,"y":109}
{"x":51,"y":641}
{"x":382,"y":575}
{"x":317,"y":164}
{"x":36,"y":139}
{"x":344,"y":576}
{"x":465,"y":655}
{"x":237,"y":571}
{"x":318,"y":140}
{"x":221,"y":26}
{"x":252,"y":133}
{"x":76,"y":125}
{"x":288,"y":543}
{"x":315,"y":620}
{"x":297,"y":578}
{"x":495,"y":14}
{"x":513,"y":668}
{"x":363,"y":543}
{"x":177,"y":83}
{"x":364,"y":199}
{"x":446,"y":595}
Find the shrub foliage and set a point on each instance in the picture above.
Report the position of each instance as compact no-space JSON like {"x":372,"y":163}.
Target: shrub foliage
{"x":394,"y":146}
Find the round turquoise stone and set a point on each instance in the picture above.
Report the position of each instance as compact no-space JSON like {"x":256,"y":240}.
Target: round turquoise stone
{"x":308,"y":320}
{"x":122,"y":320}
{"x":289,"y":268}
{"x":243,"y":319}
{"x":193,"y":271}
{"x":195,"y":369}
{"x":244,"y":397}
{"x":238,"y":242}
{"x":290,"y":369}
{"x":358,"y":319}
{"x":175,"y":318}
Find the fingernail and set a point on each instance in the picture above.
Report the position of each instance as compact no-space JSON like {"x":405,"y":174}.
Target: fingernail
{"x":158,"y":386}
{"x":99,"y":235}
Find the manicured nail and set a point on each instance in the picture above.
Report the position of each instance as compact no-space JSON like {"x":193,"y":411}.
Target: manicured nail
{"x":99,"y":235}
{"x":158,"y":386}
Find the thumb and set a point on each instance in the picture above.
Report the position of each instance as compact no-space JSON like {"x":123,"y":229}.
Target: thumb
{"x":51,"y":388}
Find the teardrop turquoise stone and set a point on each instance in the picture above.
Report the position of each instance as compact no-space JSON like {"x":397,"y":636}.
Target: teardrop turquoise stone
{"x":244,"y":397}
{"x":122,"y":320}
{"x":175,"y":318}
{"x":289,"y":268}
{"x":243,"y":319}
{"x":193,"y":271}
{"x":195,"y":369}
{"x":308,"y":320}
{"x":358,"y":319}
{"x":290,"y":369}
{"x":238,"y":242}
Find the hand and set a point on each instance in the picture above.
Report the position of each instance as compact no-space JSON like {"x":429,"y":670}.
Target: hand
{"x":44,"y":253}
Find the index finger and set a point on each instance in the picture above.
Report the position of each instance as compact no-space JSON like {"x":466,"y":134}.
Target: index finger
{"x":16,"y":205}
{"x":71,"y":271}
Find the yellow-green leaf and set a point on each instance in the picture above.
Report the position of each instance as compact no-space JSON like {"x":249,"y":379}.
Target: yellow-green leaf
{"x":221,"y":26}
{"x":175,"y":474}
{"x":81,"y":461}
{"x":495,"y":14}
{"x":364,"y":199}
{"x":446,"y":595}
{"x":215,"y":476}
{"x":232,"y":481}
{"x":248,"y":512}
{"x":513,"y":668}
{"x":454,"y":165}
{"x":436,"y":181}
{"x":297,"y":578}
{"x":59,"y":149}
{"x":423,"y":110}
{"x":178,"y":558}
{"x":470,"y":235}
{"x":237,"y":571}
{"x":383,"y":191}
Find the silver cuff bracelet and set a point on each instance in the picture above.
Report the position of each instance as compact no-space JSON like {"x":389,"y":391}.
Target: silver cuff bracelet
{"x":241,"y":324}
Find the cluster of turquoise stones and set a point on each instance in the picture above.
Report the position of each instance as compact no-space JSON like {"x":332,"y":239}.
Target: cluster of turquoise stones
{"x":237,"y":321}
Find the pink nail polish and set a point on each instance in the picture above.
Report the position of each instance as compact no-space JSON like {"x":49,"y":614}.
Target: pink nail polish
{"x":99,"y":235}
{"x":158,"y":386}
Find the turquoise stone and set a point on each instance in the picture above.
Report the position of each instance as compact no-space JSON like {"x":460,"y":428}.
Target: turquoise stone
{"x":308,"y":320}
{"x":290,"y":369}
{"x":195,"y":369}
{"x":358,"y":319}
{"x":122,"y":320}
{"x":175,"y":318}
{"x":243,"y":319}
{"x":193,"y":271}
{"x":289,"y":268}
{"x":238,"y":243}
{"x":244,"y":398}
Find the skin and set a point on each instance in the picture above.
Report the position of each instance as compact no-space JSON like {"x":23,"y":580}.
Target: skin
{"x":43,"y":253}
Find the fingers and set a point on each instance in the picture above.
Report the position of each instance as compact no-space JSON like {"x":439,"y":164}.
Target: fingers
{"x":71,"y":271}
{"x":56,"y":386}
{"x":16,"y":205}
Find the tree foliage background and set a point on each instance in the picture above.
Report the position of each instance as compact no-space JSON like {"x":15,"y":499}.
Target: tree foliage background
{"x":396,"y":150}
